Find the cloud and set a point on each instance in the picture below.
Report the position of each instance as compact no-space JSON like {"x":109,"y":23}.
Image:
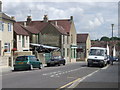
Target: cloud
{"x":94,"y":18}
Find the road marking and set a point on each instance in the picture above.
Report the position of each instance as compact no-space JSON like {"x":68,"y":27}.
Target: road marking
{"x":68,"y":84}
{"x":77,"y":81}
{"x":105,"y":67}
{"x":54,"y":74}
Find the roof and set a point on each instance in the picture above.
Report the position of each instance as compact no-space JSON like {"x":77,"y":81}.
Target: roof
{"x":6,"y":17}
{"x":63,"y":26}
{"x":81,"y":38}
{"x":18,"y":29}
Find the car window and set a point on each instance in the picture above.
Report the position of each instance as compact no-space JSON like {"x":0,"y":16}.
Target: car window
{"x":22,"y":58}
{"x":33,"y":58}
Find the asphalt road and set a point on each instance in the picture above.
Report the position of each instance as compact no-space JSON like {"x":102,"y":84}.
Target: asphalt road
{"x":75,"y":75}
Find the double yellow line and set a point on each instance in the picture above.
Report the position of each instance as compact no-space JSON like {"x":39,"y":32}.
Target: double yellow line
{"x":68,"y":84}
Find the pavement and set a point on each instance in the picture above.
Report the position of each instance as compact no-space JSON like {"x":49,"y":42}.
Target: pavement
{"x":7,"y":69}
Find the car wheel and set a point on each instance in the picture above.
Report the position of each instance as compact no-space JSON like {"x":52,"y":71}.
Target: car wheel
{"x":31,"y":67}
{"x":48,"y":65}
{"x":63,"y":63}
{"x":15,"y":69}
{"x":58,"y":64}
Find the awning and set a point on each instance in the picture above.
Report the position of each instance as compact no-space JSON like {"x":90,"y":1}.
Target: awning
{"x":44,"y":46}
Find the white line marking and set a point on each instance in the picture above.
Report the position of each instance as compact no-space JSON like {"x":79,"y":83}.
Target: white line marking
{"x":77,"y":82}
{"x":105,"y":67}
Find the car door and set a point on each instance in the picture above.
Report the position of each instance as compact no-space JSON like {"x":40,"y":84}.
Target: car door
{"x":33,"y":61}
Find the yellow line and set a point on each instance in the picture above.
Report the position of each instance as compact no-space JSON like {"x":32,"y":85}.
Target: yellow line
{"x":68,"y":84}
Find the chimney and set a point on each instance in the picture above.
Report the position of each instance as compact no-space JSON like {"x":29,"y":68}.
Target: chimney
{"x":29,"y":19}
{"x":0,"y":6}
{"x":25,"y":24}
{"x":71,"y":18}
{"x":56,"y":23}
{"x":45,"y":18}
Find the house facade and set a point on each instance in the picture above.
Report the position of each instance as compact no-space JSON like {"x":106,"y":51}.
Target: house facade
{"x":6,"y":34}
{"x":21,"y":38}
{"x":83,"y":44}
{"x":56,"y":33}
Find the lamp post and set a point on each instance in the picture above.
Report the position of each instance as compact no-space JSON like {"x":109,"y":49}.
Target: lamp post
{"x":112,"y":30}
{"x":112,"y":38}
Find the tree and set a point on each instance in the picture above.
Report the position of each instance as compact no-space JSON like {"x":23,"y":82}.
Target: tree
{"x":114,"y":38}
{"x":105,"y":38}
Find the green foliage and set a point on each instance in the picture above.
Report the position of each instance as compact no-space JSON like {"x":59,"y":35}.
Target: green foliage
{"x":105,"y":38}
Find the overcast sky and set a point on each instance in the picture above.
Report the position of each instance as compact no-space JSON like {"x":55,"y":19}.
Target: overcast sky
{"x":94,"y":18}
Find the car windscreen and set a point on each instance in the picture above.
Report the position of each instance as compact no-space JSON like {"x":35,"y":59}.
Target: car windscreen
{"x":96,"y":52}
{"x":22,"y":58}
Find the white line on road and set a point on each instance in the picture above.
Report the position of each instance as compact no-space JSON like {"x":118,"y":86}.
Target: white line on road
{"x":80,"y":80}
{"x":105,"y":67}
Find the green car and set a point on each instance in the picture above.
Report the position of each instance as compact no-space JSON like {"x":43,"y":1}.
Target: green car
{"x":27,"y":63}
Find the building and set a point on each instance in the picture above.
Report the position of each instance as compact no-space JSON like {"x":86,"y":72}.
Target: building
{"x":6,"y":38}
{"x":83,"y":46}
{"x":56,"y":33}
{"x":21,"y":38}
{"x":6,"y":33}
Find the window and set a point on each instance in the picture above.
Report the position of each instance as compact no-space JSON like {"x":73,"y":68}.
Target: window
{"x":9,"y":27}
{"x":1,"y":26}
{"x":23,"y":41}
{"x":19,"y":37}
{"x":7,"y":47}
{"x":68,"y":52}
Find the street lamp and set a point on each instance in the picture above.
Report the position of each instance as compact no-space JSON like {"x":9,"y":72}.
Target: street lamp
{"x":112,"y":30}
{"x":112,"y":37}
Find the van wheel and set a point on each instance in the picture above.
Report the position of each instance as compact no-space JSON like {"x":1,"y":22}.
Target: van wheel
{"x":31,"y":67}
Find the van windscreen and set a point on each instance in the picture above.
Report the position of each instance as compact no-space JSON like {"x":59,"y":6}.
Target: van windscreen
{"x":21,"y":58}
{"x":96,"y":52}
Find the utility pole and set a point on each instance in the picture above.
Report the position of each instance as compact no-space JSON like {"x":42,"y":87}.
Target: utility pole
{"x":112,"y":39}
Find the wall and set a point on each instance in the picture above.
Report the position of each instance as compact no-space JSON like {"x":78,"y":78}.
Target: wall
{"x":19,"y":43}
{"x":50,"y":36}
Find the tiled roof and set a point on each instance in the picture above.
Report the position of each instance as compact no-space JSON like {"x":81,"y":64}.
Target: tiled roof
{"x":18,"y":29}
{"x":81,"y":38}
{"x":66,"y":24}
{"x":63,"y":26}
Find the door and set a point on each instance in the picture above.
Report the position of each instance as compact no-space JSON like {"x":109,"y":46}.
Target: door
{"x":0,"y":48}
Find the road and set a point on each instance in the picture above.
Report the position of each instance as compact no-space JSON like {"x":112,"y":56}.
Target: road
{"x":75,"y":75}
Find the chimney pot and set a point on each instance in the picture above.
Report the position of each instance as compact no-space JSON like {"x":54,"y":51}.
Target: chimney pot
{"x":45,"y":18}
{"x":29,"y":19}
{"x":71,"y":18}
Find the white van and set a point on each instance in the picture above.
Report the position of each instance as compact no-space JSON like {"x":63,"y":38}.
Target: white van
{"x":97,"y":56}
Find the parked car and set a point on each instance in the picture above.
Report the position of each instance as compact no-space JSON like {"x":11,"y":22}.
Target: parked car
{"x":112,"y":59}
{"x":27,"y":63}
{"x":56,"y":60}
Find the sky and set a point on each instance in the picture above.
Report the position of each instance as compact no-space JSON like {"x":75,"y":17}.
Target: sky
{"x":93,"y":17}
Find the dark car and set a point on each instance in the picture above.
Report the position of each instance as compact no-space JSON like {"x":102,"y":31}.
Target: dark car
{"x":27,"y":63}
{"x":56,"y":60}
{"x":112,"y":59}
